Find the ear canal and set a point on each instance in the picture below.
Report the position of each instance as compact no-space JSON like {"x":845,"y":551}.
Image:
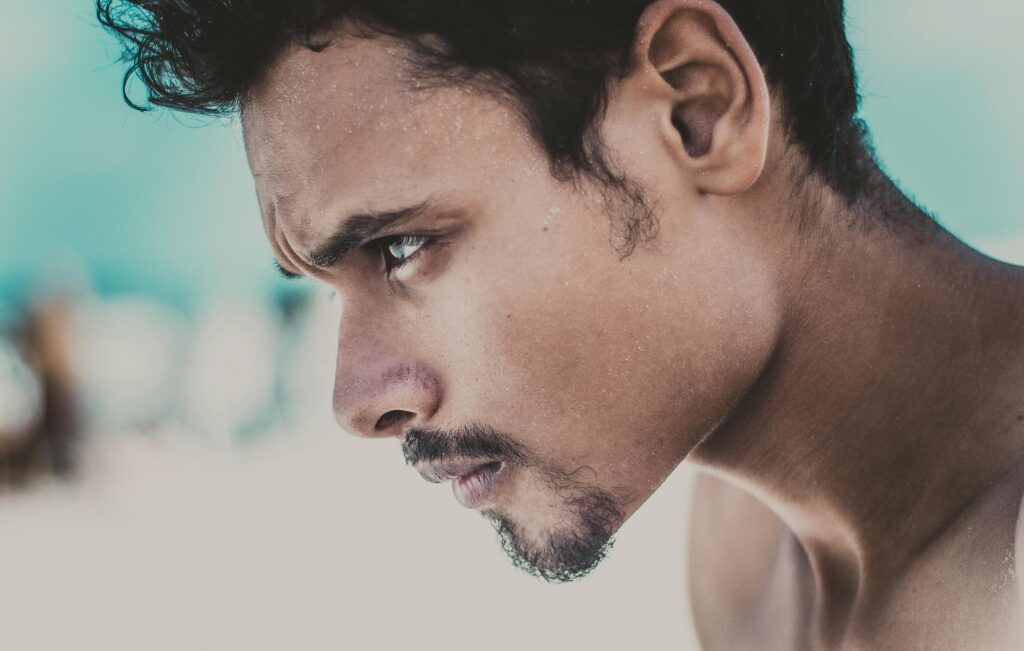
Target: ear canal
{"x":684,"y":134}
{"x":699,"y":109}
{"x":695,"y":121}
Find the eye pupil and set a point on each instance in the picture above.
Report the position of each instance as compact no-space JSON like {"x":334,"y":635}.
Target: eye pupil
{"x":404,"y":247}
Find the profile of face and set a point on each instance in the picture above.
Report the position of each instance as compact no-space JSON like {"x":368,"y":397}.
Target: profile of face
{"x":498,"y":322}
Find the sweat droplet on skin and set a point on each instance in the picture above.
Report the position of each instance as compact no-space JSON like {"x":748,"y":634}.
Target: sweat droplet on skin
{"x":553,"y":212}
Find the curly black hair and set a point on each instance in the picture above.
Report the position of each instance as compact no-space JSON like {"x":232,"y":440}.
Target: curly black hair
{"x":553,"y":58}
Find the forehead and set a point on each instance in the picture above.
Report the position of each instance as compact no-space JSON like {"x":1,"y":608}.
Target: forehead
{"x":355,"y":85}
{"x":352,"y":125}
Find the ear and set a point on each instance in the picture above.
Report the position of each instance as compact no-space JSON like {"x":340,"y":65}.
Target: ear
{"x":710,"y":92}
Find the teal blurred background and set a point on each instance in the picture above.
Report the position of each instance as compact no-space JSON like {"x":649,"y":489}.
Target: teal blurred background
{"x":152,"y":203}
{"x":161,"y":204}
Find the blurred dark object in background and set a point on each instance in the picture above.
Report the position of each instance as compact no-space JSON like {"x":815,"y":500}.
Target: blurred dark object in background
{"x":80,"y":370}
{"x":38,"y":418}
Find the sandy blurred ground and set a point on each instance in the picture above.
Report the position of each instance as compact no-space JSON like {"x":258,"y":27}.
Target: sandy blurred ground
{"x":313,"y":541}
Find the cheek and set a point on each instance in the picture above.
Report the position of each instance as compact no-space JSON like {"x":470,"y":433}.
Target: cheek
{"x":597,"y":361}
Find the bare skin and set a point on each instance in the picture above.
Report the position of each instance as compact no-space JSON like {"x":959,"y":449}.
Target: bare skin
{"x":851,"y":376}
{"x":901,"y":533}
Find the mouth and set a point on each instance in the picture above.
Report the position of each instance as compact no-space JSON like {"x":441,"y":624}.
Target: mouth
{"x":473,"y":483}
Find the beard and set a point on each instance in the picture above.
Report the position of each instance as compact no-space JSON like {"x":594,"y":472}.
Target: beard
{"x":569,"y":552}
{"x":588,"y":517}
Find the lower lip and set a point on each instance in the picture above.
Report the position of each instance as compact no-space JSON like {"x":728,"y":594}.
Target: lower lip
{"x":474,"y":489}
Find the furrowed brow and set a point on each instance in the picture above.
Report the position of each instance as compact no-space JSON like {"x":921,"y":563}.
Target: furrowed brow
{"x":356,"y":230}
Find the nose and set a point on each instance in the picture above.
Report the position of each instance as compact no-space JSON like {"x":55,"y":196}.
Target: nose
{"x":382,"y":398}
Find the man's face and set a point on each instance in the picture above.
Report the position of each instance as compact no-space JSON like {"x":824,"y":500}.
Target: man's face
{"x":492,"y":325}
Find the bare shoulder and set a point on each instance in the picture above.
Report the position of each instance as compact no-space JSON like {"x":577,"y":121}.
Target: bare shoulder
{"x":735,"y":545}
{"x":1015,"y":572}
{"x":1018,"y":555}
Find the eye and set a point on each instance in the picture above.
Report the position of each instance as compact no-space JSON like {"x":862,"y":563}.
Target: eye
{"x":398,"y":250}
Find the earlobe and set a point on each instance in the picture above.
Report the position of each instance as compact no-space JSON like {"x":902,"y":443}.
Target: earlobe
{"x":715,"y":95}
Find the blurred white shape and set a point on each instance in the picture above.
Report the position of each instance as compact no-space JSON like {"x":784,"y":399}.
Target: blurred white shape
{"x":21,"y":394}
{"x":126,"y":356}
{"x":308,"y":372}
{"x":229,"y":375}
{"x":1008,"y":247}
{"x":34,"y":37}
{"x":939,"y":34}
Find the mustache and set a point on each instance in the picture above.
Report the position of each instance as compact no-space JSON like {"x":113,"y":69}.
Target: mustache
{"x":473,"y":440}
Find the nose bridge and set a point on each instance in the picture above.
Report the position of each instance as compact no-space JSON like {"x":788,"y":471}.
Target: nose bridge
{"x":380,"y":386}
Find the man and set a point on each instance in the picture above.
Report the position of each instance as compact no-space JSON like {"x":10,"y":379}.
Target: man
{"x":578,"y":242}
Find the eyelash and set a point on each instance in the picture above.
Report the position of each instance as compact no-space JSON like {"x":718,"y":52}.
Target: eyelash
{"x":380,"y":247}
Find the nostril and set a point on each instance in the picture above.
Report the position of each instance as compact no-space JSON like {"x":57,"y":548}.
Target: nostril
{"x":392,"y":419}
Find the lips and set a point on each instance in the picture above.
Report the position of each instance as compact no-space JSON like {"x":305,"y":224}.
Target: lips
{"x":474,"y":489}
{"x":474,"y":482}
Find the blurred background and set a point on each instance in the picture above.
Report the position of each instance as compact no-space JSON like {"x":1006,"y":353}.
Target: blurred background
{"x":170,"y":473}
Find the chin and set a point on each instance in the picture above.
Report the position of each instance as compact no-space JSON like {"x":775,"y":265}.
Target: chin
{"x":571,"y":548}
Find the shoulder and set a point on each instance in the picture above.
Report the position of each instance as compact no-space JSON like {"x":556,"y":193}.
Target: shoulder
{"x":1016,"y":571}
{"x":1018,"y":552}
{"x":1017,"y":576}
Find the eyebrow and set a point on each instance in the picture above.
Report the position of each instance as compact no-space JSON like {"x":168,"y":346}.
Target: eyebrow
{"x":354,"y":231}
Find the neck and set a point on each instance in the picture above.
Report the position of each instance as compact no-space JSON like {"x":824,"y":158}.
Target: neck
{"x":887,"y":406}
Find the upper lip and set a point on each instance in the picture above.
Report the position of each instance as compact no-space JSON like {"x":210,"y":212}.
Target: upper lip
{"x":442,"y":471}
